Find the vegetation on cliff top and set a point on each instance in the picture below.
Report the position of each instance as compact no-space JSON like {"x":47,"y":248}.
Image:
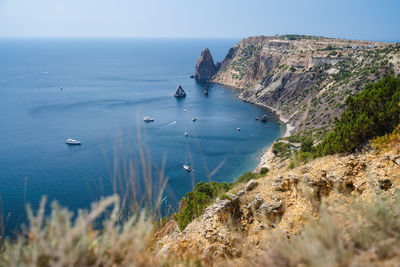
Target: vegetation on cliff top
{"x":371,"y":113}
{"x":195,"y":202}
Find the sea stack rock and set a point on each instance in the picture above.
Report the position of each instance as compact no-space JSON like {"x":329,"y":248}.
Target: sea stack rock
{"x":205,"y":67}
{"x":180,"y":92}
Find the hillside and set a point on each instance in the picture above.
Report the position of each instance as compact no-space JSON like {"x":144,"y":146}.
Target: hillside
{"x":305,"y":79}
{"x":336,"y":210}
{"x":263,"y":215}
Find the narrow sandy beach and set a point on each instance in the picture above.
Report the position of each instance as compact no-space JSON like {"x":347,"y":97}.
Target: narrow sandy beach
{"x":268,"y":155}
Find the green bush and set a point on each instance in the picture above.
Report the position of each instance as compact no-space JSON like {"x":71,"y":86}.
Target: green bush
{"x":247,"y":176}
{"x":306,"y":145}
{"x":264,"y":170}
{"x":225,"y":196}
{"x":371,"y":113}
{"x":281,"y":149}
{"x":195,"y":202}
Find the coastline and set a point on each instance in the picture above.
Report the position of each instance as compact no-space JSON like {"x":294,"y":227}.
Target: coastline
{"x":266,"y":159}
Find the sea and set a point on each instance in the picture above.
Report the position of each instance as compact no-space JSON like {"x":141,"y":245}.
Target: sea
{"x":98,"y":91}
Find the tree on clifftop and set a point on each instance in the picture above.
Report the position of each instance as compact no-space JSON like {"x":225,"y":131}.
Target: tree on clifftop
{"x":373,"y":112}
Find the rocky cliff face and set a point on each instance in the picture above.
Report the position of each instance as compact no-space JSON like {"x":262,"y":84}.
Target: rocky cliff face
{"x":241,"y":227}
{"x":205,"y":67}
{"x":305,"y":79}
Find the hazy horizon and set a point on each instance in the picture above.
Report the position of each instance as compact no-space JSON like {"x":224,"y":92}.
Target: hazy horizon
{"x":174,"y":38}
{"x":361,"y":20}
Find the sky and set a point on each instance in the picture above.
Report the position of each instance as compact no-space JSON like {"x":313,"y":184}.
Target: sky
{"x":353,"y":19}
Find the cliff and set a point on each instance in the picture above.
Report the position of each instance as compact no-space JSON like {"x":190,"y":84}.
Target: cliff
{"x":205,"y":67}
{"x":299,"y":216}
{"x":305,"y":79}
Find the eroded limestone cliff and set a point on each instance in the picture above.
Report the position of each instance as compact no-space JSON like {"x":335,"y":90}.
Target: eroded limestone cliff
{"x":305,"y":79}
{"x":242,"y":228}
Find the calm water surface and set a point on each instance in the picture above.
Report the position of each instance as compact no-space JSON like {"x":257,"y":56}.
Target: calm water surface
{"x":108,"y":86}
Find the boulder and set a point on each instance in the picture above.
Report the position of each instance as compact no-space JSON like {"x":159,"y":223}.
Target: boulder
{"x":281,"y":184}
{"x":255,"y":204}
{"x":251,"y":185}
{"x":227,"y":207}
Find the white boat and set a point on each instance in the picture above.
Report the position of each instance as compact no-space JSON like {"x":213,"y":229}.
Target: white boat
{"x":148,"y":119}
{"x":187,"y":168}
{"x":238,"y":129}
{"x":186,"y":134}
{"x":194,"y":119}
{"x":184,"y":110}
{"x":71,"y":141}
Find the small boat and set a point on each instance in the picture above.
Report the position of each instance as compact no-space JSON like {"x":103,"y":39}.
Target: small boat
{"x":206,"y":90}
{"x":148,"y":119}
{"x":194,"y":119}
{"x":266,"y":126}
{"x":184,"y":110}
{"x":186,"y":166}
{"x":71,"y":141}
{"x":256,"y":118}
{"x":186,"y":134}
{"x":238,"y":129}
{"x":61,"y":88}
{"x":264,"y":118}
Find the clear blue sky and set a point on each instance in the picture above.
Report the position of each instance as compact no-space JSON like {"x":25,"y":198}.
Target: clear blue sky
{"x":358,"y":19}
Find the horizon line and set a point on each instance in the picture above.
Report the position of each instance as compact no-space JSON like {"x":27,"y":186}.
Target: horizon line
{"x":185,"y":37}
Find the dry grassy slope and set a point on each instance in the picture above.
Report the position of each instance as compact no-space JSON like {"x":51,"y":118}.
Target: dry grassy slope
{"x":291,"y":76}
{"x":240,"y":229}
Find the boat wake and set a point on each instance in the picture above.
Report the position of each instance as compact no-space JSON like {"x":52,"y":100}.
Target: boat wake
{"x":172,"y":123}
{"x":22,"y":77}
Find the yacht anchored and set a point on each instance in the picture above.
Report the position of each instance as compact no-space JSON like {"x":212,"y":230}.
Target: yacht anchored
{"x":186,"y":166}
{"x":194,"y":119}
{"x":186,"y":134}
{"x":148,"y":119}
{"x":71,"y":141}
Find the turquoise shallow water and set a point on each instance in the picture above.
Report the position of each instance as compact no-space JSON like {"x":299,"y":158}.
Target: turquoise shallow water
{"x":109,"y":85}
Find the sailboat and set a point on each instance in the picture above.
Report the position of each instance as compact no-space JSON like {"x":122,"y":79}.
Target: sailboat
{"x":186,"y":166}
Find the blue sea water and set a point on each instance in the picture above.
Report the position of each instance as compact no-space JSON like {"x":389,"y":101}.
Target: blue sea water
{"x":108,"y":86}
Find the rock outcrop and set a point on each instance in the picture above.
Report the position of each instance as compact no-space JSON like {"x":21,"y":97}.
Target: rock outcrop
{"x":205,"y":67}
{"x":281,"y":203}
{"x":180,"y":92}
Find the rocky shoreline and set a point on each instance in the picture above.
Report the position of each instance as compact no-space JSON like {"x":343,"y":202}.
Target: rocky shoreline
{"x":266,"y":158}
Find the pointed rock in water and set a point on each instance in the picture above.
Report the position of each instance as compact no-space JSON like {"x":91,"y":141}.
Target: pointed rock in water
{"x":180,"y":92}
{"x":205,"y":67}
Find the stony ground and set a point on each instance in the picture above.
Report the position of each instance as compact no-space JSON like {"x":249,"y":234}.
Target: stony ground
{"x":240,"y":227}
